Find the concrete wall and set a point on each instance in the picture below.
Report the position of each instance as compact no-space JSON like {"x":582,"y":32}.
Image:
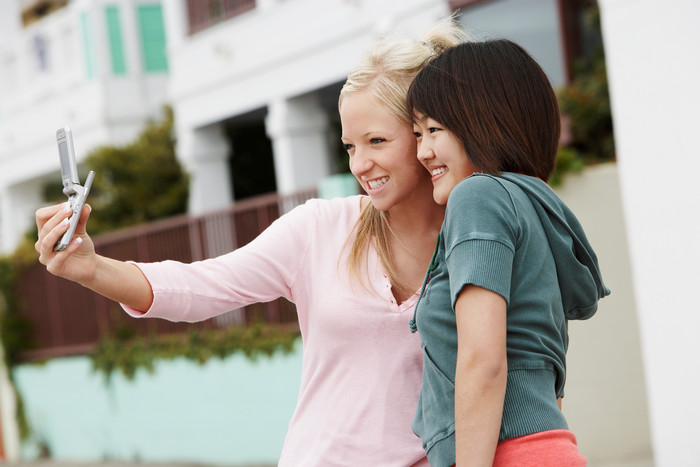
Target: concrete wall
{"x":653,"y":70}
{"x":606,"y":399}
{"x":8,"y":427}
{"x":230,"y":411}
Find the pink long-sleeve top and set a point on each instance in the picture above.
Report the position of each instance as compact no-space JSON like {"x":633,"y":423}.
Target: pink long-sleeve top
{"x":361,"y":370}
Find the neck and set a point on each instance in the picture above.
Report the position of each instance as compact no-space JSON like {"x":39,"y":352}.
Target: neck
{"x":422,"y":216}
{"x":413,"y":230}
{"x":417,"y":222}
{"x":411,"y":243}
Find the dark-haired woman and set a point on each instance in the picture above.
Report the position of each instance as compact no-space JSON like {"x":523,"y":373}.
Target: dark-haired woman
{"x":512,"y":264}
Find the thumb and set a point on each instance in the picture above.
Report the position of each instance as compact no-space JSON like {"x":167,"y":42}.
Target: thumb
{"x":82,"y":222}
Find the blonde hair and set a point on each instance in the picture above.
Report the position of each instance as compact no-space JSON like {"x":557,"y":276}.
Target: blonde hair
{"x":387,"y":71}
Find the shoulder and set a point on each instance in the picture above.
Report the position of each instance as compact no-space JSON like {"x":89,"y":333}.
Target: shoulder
{"x":482,"y":192}
{"x":338,"y":214}
{"x":482,"y":206}
{"x":333,"y":210}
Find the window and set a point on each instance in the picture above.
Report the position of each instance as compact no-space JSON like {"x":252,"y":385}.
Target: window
{"x":116,"y":44}
{"x":41,"y":52}
{"x":153,"y":45}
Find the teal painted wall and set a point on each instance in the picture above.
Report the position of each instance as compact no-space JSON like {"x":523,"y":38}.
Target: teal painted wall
{"x":230,"y":411}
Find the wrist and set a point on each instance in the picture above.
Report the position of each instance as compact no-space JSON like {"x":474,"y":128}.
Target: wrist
{"x":90,"y":278}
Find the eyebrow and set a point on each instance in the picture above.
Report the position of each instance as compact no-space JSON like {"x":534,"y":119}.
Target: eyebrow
{"x":365,"y":135}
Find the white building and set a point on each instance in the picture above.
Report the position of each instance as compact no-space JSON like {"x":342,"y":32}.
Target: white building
{"x":254,"y":87}
{"x":254,"y":84}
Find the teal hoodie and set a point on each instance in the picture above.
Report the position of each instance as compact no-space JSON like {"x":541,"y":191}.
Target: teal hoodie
{"x":512,"y":235}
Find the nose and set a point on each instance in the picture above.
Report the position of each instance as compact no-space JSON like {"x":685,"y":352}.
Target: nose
{"x":360,"y":163}
{"x":425,"y":151}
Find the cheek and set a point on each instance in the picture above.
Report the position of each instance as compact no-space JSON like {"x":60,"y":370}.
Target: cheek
{"x":415,"y":167}
{"x":410,"y":152}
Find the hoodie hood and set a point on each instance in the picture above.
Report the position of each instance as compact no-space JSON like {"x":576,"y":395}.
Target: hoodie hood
{"x":582,"y":284}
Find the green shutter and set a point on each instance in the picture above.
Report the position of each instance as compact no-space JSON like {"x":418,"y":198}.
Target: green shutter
{"x":152,"y":38}
{"x":88,"y":44}
{"x":116,"y":44}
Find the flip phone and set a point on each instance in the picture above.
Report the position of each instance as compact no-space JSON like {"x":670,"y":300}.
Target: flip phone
{"x":76,"y":193}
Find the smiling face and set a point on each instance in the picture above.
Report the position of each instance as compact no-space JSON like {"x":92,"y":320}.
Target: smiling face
{"x":382,"y":152}
{"x":443,"y":155}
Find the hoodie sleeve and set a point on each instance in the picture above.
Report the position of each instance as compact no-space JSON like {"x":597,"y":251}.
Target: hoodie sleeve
{"x":481,"y":235}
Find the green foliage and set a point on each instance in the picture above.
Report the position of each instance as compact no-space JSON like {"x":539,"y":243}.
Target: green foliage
{"x":128,"y":354}
{"x":585,"y":101}
{"x":139,"y":182}
{"x":568,"y":161}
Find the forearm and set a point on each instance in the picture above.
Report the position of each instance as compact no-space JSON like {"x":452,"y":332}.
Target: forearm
{"x":121,"y":282}
{"x":479,"y":396}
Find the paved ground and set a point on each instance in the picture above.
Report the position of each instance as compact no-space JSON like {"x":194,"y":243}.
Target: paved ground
{"x":49,"y":463}
{"x":630,"y":463}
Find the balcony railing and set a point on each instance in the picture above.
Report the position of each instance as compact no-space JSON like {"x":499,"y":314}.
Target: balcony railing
{"x":68,"y":319}
{"x":205,"y":13}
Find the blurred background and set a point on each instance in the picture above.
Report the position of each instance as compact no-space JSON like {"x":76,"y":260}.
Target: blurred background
{"x":207,"y":119}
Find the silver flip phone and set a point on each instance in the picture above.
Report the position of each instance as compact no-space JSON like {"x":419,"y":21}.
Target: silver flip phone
{"x":76,"y":193}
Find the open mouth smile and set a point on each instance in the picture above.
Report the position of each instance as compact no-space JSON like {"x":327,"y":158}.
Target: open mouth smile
{"x":374,"y":184}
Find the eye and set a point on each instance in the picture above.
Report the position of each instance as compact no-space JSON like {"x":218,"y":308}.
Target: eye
{"x":417,"y":134}
{"x":348,"y":146}
{"x":376,"y":140}
{"x":433,"y":129}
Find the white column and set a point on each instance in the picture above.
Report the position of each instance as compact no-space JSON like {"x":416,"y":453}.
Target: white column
{"x":298,"y":128}
{"x":98,"y":27}
{"x":204,"y":153}
{"x":17,"y":207}
{"x":175,"y":18}
{"x":130,"y":36}
{"x":8,"y":414}
{"x":653,"y":70}
{"x":6,"y":232}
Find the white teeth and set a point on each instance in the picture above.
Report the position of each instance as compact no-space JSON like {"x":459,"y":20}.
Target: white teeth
{"x":438,"y":171}
{"x":374,"y":184}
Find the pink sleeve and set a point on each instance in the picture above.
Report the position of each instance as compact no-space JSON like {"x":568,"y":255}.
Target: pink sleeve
{"x":261,"y":271}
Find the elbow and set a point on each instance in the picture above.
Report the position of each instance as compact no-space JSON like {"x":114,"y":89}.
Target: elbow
{"x":489,"y":370}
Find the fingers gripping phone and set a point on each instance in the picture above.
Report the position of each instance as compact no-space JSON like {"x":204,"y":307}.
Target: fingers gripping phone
{"x":76,"y":193}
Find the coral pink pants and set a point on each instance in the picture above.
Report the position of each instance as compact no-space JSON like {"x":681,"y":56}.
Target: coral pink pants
{"x":554,"y":448}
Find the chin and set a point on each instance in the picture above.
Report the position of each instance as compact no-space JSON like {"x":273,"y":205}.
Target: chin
{"x":380,"y":205}
{"x":440,"y":199}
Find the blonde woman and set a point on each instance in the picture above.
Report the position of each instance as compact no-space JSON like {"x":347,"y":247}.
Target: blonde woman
{"x":352,"y":266}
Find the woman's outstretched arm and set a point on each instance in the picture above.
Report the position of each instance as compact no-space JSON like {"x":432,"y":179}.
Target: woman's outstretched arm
{"x":116,"y":280}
